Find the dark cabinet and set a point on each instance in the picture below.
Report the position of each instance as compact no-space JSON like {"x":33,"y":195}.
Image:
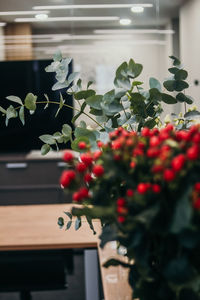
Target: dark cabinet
{"x":31,"y":179}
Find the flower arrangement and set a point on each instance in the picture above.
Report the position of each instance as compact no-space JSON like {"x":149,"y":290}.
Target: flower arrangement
{"x":145,"y":189}
{"x":143,"y":182}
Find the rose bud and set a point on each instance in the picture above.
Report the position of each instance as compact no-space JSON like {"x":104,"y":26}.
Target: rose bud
{"x":154,"y":141}
{"x":84,"y":192}
{"x":122,"y":210}
{"x":67,"y":177}
{"x":76,"y":197}
{"x":97,"y":154}
{"x":145,"y":132}
{"x":132,"y":164}
{"x":142,"y":188}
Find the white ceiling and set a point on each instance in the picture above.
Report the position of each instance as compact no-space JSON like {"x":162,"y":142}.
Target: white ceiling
{"x":167,"y":9}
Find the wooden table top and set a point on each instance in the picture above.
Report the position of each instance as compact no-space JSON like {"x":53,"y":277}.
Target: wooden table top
{"x":35,"y":227}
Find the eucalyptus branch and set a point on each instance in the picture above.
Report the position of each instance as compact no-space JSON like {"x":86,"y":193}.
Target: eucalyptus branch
{"x":126,"y":115}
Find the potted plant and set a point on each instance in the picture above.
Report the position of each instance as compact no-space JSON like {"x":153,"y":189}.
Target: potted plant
{"x":143,"y":182}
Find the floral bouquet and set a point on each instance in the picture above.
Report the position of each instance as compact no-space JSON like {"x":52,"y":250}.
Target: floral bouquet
{"x":145,"y":189}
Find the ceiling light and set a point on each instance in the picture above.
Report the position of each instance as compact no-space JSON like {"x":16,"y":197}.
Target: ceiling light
{"x":133,"y":31}
{"x":41,"y":17}
{"x":125,"y":22}
{"x":67,"y":19}
{"x":137,"y":9}
{"x":88,"y":6}
{"x":2,"y":24}
{"x":20,"y":13}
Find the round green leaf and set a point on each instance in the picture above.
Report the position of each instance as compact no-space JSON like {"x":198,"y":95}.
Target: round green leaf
{"x":168,"y":99}
{"x":45,"y":149}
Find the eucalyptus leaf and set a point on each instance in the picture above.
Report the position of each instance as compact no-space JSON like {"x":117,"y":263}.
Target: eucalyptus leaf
{"x":84,"y":94}
{"x":155,"y":84}
{"x":181,"y":75}
{"x":48,"y":139}
{"x":72,"y":76}
{"x":77,"y":223}
{"x":11,"y":112}
{"x":168,"y":99}
{"x":30,"y":102}
{"x":21,"y":115}
{"x":45,"y":149}
{"x":15,"y":99}
{"x":60,"y":85}
{"x":2,"y":110}
{"x":94,"y":101}
{"x":192,"y":114}
{"x":66,"y":130}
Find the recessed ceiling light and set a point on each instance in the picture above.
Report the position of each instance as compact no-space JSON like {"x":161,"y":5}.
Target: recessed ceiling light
{"x":41,"y":17}
{"x":67,"y":19}
{"x":21,"y":13}
{"x":88,"y":6}
{"x":137,"y":9}
{"x":125,"y":22}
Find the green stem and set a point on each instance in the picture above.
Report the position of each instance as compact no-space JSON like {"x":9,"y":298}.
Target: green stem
{"x":69,"y":106}
{"x":126,"y":115}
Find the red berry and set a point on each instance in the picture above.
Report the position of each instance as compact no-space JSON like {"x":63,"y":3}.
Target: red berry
{"x":196,"y":138}
{"x":178,"y":162}
{"x":154,"y":141}
{"x":145,"y":132}
{"x":196,"y":204}
{"x":68,"y":156}
{"x":164,"y":134}
{"x":142,"y":188}
{"x":129,"y":193}
{"x":129,"y":142}
{"x":132,"y":165}
{"x":156,"y":188}
{"x":154,"y":131}
{"x":116,"y":145}
{"x":157,"y":169}
{"x":169,"y":127}
{"x":97,"y":154}
{"x":84,"y":192}
{"x":169,"y":175}
{"x":87,"y":159}
{"x":122,"y":210}
{"x":121,"y":219}
{"x":98,"y":170}
{"x":193,"y":153}
{"x":197,"y":187}
{"x":67,"y":177}
{"x":82,"y":145}
{"x":153,"y":152}
{"x":183,"y":135}
{"x":100,"y":144}
{"x":121,"y":202}
{"x":87,"y":178}
{"x":81,"y":167}
{"x":76,"y":197}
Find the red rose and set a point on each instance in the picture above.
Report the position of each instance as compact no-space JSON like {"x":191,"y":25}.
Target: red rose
{"x":121,"y":202}
{"x":178,"y":162}
{"x":193,"y":153}
{"x":156,"y":188}
{"x":81,"y":167}
{"x":86,"y":159}
{"x":98,"y":170}
{"x":68,"y":156}
{"x":169,"y":175}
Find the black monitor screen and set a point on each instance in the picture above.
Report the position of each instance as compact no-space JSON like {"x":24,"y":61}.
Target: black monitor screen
{"x":19,"y":78}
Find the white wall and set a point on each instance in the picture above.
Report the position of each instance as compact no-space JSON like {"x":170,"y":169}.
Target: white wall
{"x":190,"y":44}
{"x":99,"y":62}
